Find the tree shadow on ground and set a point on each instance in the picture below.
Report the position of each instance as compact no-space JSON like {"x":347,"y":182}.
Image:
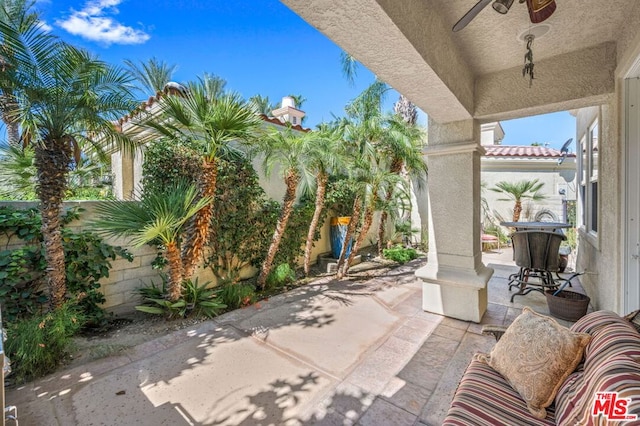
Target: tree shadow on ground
{"x":271,"y":406}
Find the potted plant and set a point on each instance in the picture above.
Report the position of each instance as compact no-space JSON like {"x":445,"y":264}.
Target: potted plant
{"x":339,"y":200}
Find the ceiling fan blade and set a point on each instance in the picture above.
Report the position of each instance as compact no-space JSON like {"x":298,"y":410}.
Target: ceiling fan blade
{"x":540,"y":10}
{"x":468,"y":17}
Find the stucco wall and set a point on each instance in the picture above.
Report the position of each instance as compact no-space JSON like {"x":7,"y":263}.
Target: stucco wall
{"x":553,"y":177}
{"x":600,"y":256}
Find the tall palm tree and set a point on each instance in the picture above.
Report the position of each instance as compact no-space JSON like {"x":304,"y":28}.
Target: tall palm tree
{"x":403,"y":147}
{"x":151,"y":75}
{"x":377,"y":179}
{"x":215,"y":121}
{"x":324,"y":156}
{"x":159,"y":216}
{"x":522,"y":190}
{"x":403,"y":107}
{"x":17,"y":14}
{"x":262,"y":104}
{"x":299,"y":100}
{"x":289,"y":151}
{"x":408,"y":113}
{"x":65,"y":99}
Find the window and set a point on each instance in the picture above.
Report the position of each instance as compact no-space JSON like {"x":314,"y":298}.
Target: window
{"x":588,"y":173}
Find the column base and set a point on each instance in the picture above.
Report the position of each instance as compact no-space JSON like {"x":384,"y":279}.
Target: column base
{"x":455,"y":293}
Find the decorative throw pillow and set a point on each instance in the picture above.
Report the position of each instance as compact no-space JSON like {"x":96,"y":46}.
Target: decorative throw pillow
{"x":535,"y":355}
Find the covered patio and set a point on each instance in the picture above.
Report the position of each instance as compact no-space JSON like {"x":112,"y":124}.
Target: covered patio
{"x":587,"y":60}
{"x":360,"y":351}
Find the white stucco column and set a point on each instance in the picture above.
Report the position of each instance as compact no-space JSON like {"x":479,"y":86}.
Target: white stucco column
{"x":454,"y":279}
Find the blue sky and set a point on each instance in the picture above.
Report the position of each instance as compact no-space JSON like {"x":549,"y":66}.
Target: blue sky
{"x":258,"y":47}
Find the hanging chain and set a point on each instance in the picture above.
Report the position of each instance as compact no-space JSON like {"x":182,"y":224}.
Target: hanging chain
{"x":528,"y":59}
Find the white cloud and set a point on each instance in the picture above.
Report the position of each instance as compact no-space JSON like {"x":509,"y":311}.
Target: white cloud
{"x":45,"y":27}
{"x":94,"y":23}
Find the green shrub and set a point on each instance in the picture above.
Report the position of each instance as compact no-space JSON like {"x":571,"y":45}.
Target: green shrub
{"x":281,"y":276}
{"x":240,"y":229}
{"x":37,"y":345}
{"x":237,"y":295}
{"x":400,"y":254}
{"x":572,"y":238}
{"x":87,"y":260}
{"x":341,"y":193}
{"x":167,"y":161}
{"x":295,"y":236}
{"x":21,"y":273}
{"x":196,"y":301}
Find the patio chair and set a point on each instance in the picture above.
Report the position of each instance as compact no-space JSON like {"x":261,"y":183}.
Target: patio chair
{"x":490,"y":238}
{"x":537,"y":255}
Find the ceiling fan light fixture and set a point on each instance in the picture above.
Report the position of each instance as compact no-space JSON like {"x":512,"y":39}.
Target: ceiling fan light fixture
{"x":502,"y":6}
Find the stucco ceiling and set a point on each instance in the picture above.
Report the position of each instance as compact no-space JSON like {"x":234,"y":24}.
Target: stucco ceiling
{"x":491,"y":41}
{"x":476,"y":72}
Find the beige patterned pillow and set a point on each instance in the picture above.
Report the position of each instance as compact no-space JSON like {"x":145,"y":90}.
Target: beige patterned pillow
{"x":536,"y":354}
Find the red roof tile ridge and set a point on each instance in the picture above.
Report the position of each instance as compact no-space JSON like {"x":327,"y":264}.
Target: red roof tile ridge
{"x":145,"y":105}
{"x":523,"y":151}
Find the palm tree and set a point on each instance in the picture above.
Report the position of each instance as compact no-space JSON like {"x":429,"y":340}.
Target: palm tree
{"x":262,"y":104}
{"x":20,"y":176}
{"x":324,"y":156}
{"x":403,"y":146}
{"x":151,"y":75}
{"x":18,"y":173}
{"x":18,"y":15}
{"x":215,"y":121}
{"x":65,"y":99}
{"x":159,"y":216}
{"x":299,"y":100}
{"x":289,"y":151}
{"x":403,"y":107}
{"x":522,"y":190}
{"x":376,"y":179}
{"x":408,"y":113}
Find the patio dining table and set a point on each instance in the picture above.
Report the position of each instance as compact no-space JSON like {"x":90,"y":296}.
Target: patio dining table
{"x":532,"y":226}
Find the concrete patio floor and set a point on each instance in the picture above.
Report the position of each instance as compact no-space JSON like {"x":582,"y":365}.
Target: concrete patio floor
{"x":330,"y":353}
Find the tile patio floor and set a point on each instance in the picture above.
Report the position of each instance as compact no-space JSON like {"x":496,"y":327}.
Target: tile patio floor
{"x":360,"y":352}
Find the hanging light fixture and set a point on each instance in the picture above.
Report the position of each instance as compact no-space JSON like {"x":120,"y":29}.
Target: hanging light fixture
{"x":528,"y":58}
{"x":502,"y":6}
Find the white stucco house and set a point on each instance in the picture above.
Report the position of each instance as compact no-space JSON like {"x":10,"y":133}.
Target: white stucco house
{"x":555,"y":169}
{"x":126,"y":170}
{"x":587,"y":58}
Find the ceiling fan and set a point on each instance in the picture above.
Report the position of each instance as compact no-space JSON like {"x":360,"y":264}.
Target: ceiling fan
{"x":539,"y":10}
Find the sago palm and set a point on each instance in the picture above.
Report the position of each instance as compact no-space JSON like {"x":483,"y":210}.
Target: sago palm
{"x":214,"y":121}
{"x":159,"y":217}
{"x":65,"y":99}
{"x":522,"y":190}
{"x":288,"y":150}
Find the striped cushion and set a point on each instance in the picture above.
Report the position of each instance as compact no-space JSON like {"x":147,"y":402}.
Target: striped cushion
{"x":485,"y":398}
{"x":612,"y":364}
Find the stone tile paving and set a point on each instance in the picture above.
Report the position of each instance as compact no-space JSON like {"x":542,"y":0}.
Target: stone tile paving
{"x":360,"y":352}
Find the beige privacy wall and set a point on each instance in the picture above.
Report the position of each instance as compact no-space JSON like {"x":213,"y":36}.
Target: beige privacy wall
{"x":125,"y":277}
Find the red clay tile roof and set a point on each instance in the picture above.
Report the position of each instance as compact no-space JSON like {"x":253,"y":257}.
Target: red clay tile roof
{"x":523,"y":151}
{"x":153,"y":99}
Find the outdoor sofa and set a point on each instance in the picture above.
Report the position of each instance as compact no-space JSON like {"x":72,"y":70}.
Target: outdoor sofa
{"x":555,"y":375}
